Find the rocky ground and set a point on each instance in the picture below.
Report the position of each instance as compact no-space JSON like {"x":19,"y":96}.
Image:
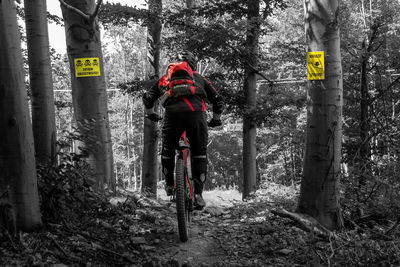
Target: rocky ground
{"x":133,"y":230}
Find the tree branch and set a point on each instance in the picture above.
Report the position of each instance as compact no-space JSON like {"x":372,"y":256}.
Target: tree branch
{"x":91,"y":17}
{"x":5,"y":192}
{"x":393,"y":227}
{"x":77,"y":11}
{"x":252,"y":68}
{"x":306,"y":223}
{"x":96,"y":11}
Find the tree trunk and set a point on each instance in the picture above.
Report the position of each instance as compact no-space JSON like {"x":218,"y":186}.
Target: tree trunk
{"x":18,"y":182}
{"x":364,"y":118}
{"x":43,"y":114}
{"x":151,"y":132}
{"x":128,"y":133}
{"x":190,"y":4}
{"x":249,"y":126}
{"x":319,"y":186}
{"x":89,"y":91}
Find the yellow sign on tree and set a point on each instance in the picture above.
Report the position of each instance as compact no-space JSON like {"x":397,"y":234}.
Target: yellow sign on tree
{"x":315,"y":66}
{"x":87,"y":67}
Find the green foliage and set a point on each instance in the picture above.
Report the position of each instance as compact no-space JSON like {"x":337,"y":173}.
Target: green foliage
{"x":125,"y":59}
{"x":136,"y":88}
{"x":50,"y":17}
{"x":280,"y":152}
{"x":283,"y":55}
{"x":64,"y":189}
{"x":126,"y":123}
{"x":364,"y":247}
{"x":371,"y":35}
{"x":224,"y":159}
{"x":122,"y":15}
{"x":54,"y":19}
{"x":124,"y":53}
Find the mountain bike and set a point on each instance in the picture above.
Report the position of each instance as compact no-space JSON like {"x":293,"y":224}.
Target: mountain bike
{"x":183,"y":183}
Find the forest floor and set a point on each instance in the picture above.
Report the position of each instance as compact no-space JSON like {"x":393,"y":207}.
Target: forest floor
{"x":132,"y":230}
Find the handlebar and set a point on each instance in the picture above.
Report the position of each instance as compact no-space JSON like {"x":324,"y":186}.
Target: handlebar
{"x":155,"y":117}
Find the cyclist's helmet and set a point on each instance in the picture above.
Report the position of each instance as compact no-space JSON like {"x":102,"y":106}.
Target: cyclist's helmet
{"x":189,"y":58}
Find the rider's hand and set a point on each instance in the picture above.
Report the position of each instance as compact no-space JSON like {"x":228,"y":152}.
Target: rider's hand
{"x":151,"y":114}
{"x":214,"y":122}
{"x":154,"y":117}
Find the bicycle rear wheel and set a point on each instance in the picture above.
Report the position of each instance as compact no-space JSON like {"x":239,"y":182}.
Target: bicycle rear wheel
{"x":181,"y":207}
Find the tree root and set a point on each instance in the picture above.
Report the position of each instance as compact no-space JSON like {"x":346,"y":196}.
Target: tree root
{"x":307,"y":223}
{"x":391,"y":229}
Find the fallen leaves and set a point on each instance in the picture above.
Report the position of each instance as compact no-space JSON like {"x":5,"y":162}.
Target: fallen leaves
{"x":134,"y":230}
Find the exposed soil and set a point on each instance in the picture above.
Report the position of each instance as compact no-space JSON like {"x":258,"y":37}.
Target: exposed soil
{"x":137,"y":231}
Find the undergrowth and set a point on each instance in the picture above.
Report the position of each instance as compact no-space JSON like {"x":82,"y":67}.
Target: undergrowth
{"x":65,"y":189}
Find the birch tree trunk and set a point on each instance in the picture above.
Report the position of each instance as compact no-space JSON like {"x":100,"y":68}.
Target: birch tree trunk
{"x":89,"y":94}
{"x":151,"y":132}
{"x":319,"y":187}
{"x":249,"y":126}
{"x":17,"y":156}
{"x":43,"y":114}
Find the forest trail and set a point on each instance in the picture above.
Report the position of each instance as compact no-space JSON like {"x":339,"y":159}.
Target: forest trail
{"x":133,"y":230}
{"x":198,"y":250}
{"x":228,"y":232}
{"x":204,"y":247}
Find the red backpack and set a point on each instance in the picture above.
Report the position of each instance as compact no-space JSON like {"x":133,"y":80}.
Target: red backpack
{"x":180,"y":81}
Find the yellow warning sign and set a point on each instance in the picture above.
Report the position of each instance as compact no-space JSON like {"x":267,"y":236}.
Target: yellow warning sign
{"x":315,"y":66}
{"x":87,"y":67}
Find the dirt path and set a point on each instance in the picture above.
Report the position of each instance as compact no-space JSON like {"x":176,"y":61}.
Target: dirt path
{"x":226,"y":235}
{"x":202,"y":248}
{"x":133,"y":230}
{"x":199,"y":249}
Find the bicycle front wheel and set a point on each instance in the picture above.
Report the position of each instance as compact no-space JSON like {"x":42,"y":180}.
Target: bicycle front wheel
{"x":181,"y":208}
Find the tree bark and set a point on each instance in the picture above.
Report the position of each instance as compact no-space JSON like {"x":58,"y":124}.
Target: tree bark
{"x":319,"y":187}
{"x":17,"y":157}
{"x":368,"y":47}
{"x":249,"y":126}
{"x":190,"y":4}
{"x":43,"y":114}
{"x":151,"y":131}
{"x":89,"y":93}
{"x":364,"y":118}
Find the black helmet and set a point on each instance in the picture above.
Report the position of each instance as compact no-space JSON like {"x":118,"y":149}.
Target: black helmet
{"x":189,"y":58}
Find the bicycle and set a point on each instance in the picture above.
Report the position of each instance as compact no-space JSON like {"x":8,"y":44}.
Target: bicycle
{"x":183,"y":183}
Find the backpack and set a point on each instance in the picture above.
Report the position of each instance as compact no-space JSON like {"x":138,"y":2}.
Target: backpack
{"x":180,"y":81}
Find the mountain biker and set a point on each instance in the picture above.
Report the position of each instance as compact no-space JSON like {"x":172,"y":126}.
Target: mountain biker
{"x":185,"y":113}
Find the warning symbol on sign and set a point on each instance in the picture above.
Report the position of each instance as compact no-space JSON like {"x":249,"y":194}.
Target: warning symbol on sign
{"x":315,"y":66}
{"x":87,"y":67}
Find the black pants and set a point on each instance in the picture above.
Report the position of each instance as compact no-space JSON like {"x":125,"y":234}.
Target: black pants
{"x":195,"y":125}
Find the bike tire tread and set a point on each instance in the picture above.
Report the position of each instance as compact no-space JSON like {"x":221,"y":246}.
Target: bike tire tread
{"x":181,"y":200}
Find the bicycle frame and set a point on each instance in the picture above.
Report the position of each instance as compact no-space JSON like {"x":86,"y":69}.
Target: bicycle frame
{"x":183,"y":151}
